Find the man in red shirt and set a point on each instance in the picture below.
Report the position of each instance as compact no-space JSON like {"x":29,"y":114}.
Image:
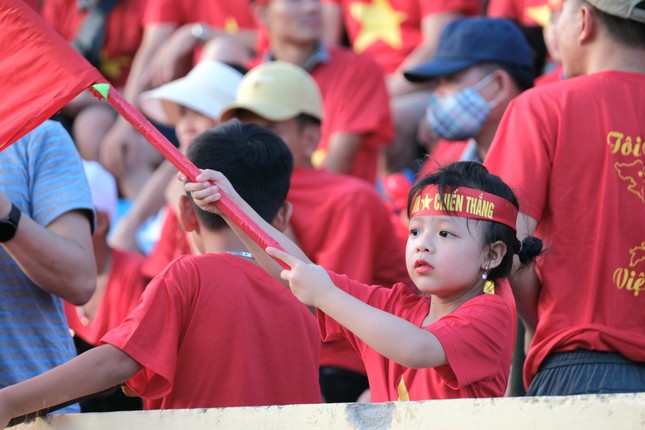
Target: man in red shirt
{"x":212,"y":330}
{"x":356,"y":103}
{"x":573,"y":152}
{"x":326,"y":205}
{"x":399,"y":35}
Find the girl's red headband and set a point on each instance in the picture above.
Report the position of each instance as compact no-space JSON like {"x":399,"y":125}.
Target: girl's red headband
{"x":464,"y":202}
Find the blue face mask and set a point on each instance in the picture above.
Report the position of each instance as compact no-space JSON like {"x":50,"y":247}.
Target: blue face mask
{"x":461,"y":115}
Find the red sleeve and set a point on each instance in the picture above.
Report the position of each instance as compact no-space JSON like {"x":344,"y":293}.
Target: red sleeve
{"x":475,"y":338}
{"x":163,"y":12}
{"x":525,"y":168}
{"x":163,"y":309}
{"x":465,"y":7}
{"x":510,"y":9}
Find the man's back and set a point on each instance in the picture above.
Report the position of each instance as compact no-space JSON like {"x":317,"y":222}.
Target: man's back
{"x":216,"y":331}
{"x":581,"y":177}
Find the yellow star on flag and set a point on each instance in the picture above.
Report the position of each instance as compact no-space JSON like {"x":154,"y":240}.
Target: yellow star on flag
{"x":379,"y":21}
{"x":539,"y":14}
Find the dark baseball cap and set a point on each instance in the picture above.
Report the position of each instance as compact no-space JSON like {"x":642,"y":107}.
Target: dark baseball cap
{"x":469,"y":41}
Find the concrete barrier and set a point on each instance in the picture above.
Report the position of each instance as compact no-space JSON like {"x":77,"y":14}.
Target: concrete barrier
{"x":618,"y":411}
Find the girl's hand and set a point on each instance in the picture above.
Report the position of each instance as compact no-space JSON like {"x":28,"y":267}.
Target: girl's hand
{"x":208,"y":189}
{"x":308,"y":282}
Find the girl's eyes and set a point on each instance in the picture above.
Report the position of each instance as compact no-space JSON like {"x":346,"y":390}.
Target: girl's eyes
{"x":414,"y":232}
{"x":444,"y":233}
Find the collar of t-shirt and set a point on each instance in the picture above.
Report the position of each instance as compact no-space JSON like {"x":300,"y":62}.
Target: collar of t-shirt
{"x":470,"y":152}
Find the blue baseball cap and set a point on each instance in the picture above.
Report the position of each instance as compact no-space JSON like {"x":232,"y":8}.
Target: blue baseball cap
{"x":469,"y":41}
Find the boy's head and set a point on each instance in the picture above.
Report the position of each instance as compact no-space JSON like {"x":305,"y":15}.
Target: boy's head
{"x":284,"y":98}
{"x":256,"y":162}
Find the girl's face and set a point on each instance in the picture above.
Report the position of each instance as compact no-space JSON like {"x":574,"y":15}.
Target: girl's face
{"x":444,"y":256}
{"x":191,"y":124}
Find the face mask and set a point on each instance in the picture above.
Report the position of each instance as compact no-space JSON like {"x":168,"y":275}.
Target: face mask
{"x":459,"y":116}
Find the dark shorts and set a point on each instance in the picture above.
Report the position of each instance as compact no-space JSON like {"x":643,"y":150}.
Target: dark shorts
{"x":587,"y":372}
{"x":341,"y":386}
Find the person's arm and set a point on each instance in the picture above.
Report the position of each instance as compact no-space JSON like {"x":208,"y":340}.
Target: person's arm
{"x":96,"y":370}
{"x":524,"y":282}
{"x":148,"y":202}
{"x":114,"y":149}
{"x":389,"y":335}
{"x":205,"y":194}
{"x":431,"y":27}
{"x":58,"y":258}
{"x":342,"y":149}
{"x":166,"y":64}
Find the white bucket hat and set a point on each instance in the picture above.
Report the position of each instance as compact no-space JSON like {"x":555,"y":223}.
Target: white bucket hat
{"x":205,"y":89}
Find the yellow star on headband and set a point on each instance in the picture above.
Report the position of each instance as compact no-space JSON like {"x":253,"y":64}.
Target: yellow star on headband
{"x":379,"y":21}
{"x":426,"y":202}
{"x":540,"y":14}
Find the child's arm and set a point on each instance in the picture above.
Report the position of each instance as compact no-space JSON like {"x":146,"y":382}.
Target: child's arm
{"x":96,"y":370}
{"x":205,"y":195}
{"x":389,"y":335}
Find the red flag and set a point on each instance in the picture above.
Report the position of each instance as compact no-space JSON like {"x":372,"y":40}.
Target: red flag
{"x":40,"y":72}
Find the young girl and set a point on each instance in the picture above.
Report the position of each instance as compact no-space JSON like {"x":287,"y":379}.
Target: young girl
{"x":455,"y":338}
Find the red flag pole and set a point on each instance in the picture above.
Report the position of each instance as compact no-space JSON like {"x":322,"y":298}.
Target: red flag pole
{"x":183,"y":164}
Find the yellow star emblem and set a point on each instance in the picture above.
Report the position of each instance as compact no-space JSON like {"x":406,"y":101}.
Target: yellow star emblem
{"x":231,"y":25}
{"x":540,"y":14}
{"x":379,"y":21}
{"x":426,"y":202}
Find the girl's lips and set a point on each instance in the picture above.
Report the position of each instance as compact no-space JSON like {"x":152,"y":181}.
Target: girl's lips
{"x":422,"y":267}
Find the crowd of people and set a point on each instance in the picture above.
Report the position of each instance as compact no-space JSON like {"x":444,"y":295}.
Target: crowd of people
{"x":455,"y":190}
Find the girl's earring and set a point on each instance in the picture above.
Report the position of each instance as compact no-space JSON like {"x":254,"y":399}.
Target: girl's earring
{"x":489,"y":286}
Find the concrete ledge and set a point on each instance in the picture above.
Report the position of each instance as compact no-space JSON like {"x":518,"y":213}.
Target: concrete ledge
{"x":619,"y":411}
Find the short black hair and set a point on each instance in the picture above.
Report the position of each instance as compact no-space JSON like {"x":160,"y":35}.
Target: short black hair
{"x":628,"y":32}
{"x":475,"y":175}
{"x":255,"y":160}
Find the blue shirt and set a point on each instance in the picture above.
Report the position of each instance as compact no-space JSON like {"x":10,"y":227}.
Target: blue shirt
{"x":42,"y":174}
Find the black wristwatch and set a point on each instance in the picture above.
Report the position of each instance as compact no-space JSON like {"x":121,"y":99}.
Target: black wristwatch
{"x":9,"y":225}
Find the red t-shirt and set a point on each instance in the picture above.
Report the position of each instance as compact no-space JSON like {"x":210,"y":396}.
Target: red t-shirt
{"x":577,"y":166}
{"x":123,"y":33}
{"x":227,"y":15}
{"x":389,"y":30}
{"x":173,"y":242}
{"x":355,"y":100}
{"x":342,"y":224}
{"x":122,"y":292}
{"x":444,"y":153}
{"x":478,"y":340}
{"x":220,"y":14}
{"x":525,"y":12}
{"x":216,"y":331}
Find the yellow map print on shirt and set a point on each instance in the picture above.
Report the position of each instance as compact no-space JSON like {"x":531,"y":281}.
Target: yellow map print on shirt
{"x":638,"y":255}
{"x":379,"y":21}
{"x":634,"y":173}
